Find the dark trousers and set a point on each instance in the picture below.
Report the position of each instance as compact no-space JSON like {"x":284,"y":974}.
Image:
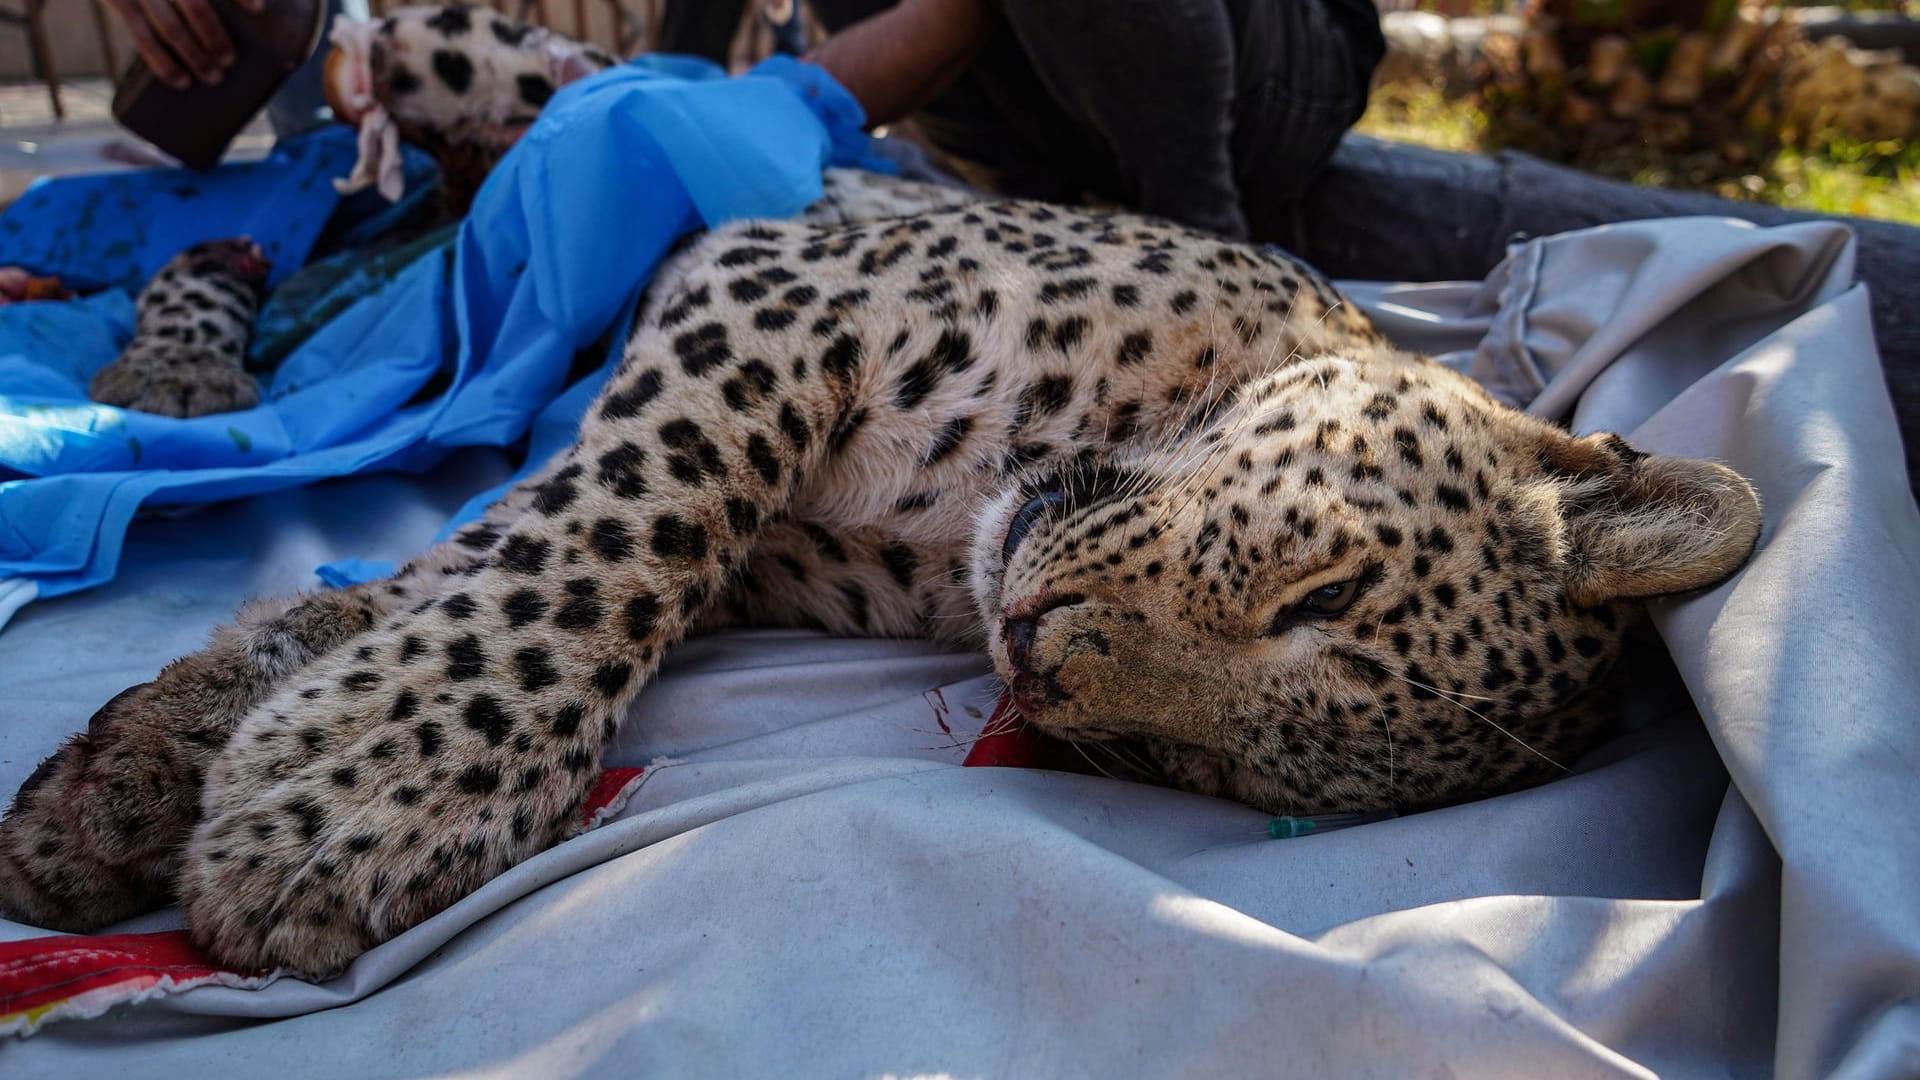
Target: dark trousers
{"x":1216,"y":113}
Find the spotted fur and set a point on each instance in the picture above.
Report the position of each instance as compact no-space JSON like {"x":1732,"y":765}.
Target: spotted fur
{"x":192,"y":324}
{"x":461,"y":82}
{"x":1202,"y":516}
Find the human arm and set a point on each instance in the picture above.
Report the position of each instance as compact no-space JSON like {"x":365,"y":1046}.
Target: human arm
{"x":181,"y":40}
{"x":901,"y":58}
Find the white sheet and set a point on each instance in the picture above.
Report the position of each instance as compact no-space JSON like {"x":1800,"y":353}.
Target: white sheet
{"x":813,"y":887}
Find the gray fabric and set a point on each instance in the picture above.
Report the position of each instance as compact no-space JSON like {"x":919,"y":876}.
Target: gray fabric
{"x":809,"y":886}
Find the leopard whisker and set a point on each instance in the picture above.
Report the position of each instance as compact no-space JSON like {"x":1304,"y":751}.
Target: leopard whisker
{"x":1450,"y":699}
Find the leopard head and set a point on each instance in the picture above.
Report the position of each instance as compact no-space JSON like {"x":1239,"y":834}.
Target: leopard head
{"x":1355,"y":583}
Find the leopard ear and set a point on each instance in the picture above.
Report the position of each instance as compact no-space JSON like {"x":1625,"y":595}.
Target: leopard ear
{"x":1639,"y":525}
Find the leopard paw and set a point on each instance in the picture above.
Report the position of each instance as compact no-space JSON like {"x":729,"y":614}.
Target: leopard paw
{"x":177,"y":386}
{"x":373,"y":794}
{"x":91,"y":838}
{"x":94,"y":835}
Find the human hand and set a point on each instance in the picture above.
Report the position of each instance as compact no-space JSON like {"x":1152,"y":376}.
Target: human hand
{"x":181,"y":40}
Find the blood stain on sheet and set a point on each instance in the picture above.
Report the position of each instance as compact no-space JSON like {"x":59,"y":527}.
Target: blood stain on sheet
{"x":938,"y":701}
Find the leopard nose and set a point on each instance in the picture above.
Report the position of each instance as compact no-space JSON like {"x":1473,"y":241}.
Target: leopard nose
{"x":1018,"y":630}
{"x":1019,"y":637}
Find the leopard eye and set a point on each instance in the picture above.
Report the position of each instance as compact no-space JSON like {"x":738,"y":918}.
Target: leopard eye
{"x":1322,"y":603}
{"x":1331,"y":599}
{"x":1027,"y":517}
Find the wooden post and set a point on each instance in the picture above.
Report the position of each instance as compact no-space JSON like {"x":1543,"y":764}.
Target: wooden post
{"x":43,"y":56}
{"x":103,"y":32}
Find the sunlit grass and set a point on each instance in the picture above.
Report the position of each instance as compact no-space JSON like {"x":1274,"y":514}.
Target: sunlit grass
{"x":1410,"y":112}
{"x":1878,"y":180}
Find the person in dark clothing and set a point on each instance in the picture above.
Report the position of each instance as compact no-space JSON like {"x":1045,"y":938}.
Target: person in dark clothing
{"x":1214,"y":113}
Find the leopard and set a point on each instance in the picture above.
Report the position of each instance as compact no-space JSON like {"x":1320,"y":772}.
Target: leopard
{"x":192,"y":322}
{"x":1197,"y":509}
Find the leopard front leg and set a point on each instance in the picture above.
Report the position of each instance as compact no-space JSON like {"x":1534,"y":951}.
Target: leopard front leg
{"x":388,"y":782}
{"x":94,"y":835}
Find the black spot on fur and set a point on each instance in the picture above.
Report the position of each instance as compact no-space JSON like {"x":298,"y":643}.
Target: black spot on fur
{"x":612,"y":677}
{"x":952,"y":434}
{"x":845,"y":429}
{"x":557,"y":492}
{"x":452,"y":21}
{"x":510,"y":34}
{"x":794,"y":426}
{"x":901,"y":563}
{"x":825,"y":542}
{"x":480,"y":779}
{"x":620,"y":471}
{"x":746,"y":290}
{"x":1054,"y":292}
{"x":525,"y":554}
{"x":695,"y":458}
{"x":953,"y":352}
{"x":534,"y":89}
{"x":487,"y":716}
{"x":454,"y":69}
{"x":760,"y":455}
{"x":676,"y":538}
{"x":312,"y":817}
{"x":742,"y":516}
{"x":523,"y":606}
{"x":567,"y":720}
{"x":630,"y":399}
{"x":478,"y":538}
{"x":749,"y":385}
{"x":842,"y":358}
{"x":467,"y":659}
{"x":702,"y":350}
{"x":610,"y":540}
{"x":535,"y":665}
{"x":404,"y":706}
{"x":583,"y":610}
{"x":643,"y":616}
{"x":746,"y":256}
{"x":1070,"y":332}
{"x":856,"y":598}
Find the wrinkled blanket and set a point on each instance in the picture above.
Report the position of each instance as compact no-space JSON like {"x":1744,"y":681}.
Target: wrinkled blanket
{"x":457,"y":351}
{"x":805,"y":882}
